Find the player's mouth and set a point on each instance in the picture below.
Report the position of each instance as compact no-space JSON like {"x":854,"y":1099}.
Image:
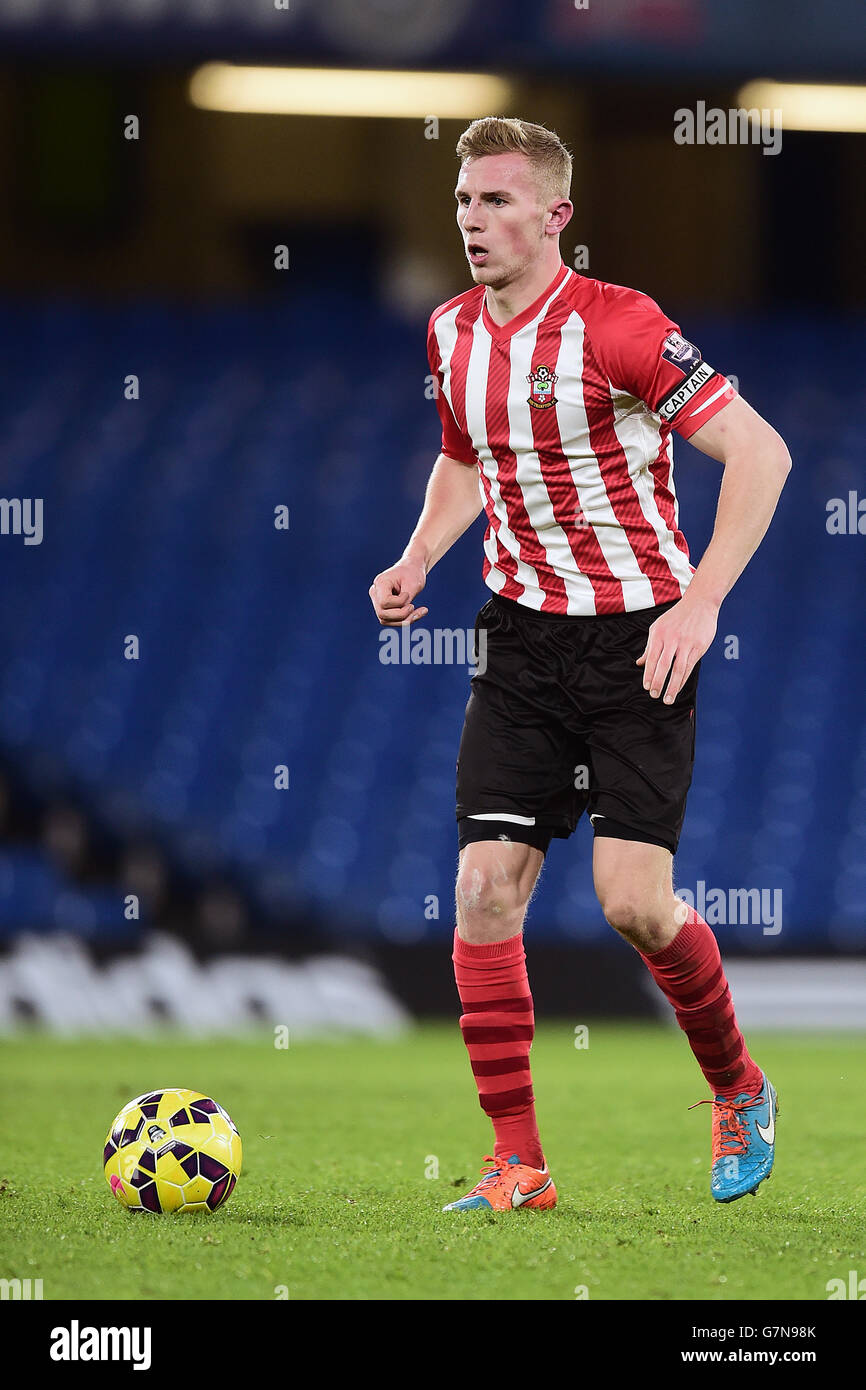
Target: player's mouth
{"x":476,"y":253}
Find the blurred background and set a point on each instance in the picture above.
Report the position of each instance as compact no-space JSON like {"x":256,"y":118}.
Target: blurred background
{"x":223,"y":227}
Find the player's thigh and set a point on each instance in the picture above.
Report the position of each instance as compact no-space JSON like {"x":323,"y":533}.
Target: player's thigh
{"x":495,"y":880}
{"x":642,"y":762}
{"x":515,"y":760}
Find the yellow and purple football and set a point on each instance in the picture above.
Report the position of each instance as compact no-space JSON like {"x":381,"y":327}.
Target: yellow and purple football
{"x":172,"y":1150}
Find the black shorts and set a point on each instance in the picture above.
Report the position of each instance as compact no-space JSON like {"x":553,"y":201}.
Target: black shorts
{"x":558,"y":723}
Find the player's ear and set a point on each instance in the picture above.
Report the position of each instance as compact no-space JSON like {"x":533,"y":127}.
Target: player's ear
{"x":561,"y":215}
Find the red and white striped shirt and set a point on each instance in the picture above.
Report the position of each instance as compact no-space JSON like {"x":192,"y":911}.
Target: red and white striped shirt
{"x":567,"y":411}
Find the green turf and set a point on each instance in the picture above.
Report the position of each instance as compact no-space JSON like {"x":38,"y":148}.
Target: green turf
{"x":334,"y":1201}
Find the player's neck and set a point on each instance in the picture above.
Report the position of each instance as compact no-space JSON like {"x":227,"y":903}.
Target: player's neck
{"x":505,"y":304}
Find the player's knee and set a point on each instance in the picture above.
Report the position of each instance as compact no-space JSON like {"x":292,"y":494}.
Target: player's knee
{"x":487,"y":900}
{"x":622,"y":911}
{"x":642,"y":919}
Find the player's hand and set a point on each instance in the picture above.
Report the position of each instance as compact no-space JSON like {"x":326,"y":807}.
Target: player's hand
{"x":675,"y":643}
{"x":392,"y":592}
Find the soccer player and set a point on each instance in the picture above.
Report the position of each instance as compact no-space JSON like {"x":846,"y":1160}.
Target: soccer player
{"x":557,"y":395}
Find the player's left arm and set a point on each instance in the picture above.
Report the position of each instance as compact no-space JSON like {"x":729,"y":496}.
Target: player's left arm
{"x":756,"y":464}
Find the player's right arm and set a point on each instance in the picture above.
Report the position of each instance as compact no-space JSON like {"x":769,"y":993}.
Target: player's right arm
{"x":451,"y":504}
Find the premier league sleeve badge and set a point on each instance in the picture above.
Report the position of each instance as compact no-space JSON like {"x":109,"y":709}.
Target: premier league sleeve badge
{"x":680,"y":353}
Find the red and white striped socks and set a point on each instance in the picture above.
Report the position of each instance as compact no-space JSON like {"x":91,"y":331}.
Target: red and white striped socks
{"x":689,"y":973}
{"x":498,"y":1025}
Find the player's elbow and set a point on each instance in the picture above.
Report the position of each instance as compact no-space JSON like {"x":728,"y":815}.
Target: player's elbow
{"x":771,"y":448}
{"x":781,"y":461}
{"x":764,"y":449}
{"x":776,"y":463}
{"x":781,"y":454}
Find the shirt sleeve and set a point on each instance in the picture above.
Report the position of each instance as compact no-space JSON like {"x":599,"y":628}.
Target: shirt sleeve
{"x":455,"y":442}
{"x":643,"y":352}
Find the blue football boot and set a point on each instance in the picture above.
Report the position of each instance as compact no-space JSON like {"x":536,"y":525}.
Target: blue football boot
{"x":744,"y":1142}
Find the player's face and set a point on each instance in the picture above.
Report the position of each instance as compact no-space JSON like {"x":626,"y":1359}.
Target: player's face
{"x":500,"y":216}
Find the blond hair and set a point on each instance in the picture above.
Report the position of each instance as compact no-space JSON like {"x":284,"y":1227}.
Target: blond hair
{"x":550,"y":159}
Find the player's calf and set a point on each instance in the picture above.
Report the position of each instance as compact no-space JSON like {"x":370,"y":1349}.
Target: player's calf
{"x":498,"y":1021}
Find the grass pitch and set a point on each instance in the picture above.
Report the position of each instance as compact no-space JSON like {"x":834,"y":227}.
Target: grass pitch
{"x":351,"y":1148}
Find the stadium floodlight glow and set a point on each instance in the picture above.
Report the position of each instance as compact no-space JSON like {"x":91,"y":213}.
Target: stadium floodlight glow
{"x":346,"y":92}
{"x":808,"y":105}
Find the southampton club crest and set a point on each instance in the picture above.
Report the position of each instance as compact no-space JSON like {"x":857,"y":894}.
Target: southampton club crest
{"x":541,"y":382}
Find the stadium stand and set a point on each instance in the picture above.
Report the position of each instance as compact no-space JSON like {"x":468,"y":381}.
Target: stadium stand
{"x":258,"y":647}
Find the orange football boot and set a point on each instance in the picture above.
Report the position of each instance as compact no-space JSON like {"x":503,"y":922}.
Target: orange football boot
{"x":508,"y":1184}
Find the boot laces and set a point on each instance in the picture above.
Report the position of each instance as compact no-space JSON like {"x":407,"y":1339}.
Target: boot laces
{"x":729,"y":1132}
{"x":491,"y":1169}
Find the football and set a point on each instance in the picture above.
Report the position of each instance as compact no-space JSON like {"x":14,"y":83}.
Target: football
{"x":172,"y":1150}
